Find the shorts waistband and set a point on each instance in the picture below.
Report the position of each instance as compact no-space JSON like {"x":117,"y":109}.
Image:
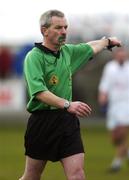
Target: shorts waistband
{"x":48,"y":110}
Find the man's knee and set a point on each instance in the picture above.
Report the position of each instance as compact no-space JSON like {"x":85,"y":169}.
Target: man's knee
{"x":30,"y":177}
{"x":118,"y":135}
{"x":33,"y":169}
{"x":22,"y":178}
{"x":78,"y":174}
{"x":31,"y":174}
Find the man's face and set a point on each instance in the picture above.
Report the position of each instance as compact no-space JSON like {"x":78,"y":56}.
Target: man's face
{"x":56,"y":33}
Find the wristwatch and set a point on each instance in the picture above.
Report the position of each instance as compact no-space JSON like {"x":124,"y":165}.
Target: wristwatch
{"x":66,"y":104}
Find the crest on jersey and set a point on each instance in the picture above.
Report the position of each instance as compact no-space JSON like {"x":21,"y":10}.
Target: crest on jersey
{"x":54,"y":80}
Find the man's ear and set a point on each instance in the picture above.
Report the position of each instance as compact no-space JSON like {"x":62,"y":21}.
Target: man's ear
{"x":44,"y":31}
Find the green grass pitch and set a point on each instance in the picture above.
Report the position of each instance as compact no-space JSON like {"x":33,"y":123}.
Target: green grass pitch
{"x":99,"y":153}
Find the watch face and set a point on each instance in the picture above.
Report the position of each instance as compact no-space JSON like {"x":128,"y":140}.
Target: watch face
{"x":66,"y":104}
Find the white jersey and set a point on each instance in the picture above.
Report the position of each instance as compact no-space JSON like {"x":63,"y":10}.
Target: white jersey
{"x":115,"y":82}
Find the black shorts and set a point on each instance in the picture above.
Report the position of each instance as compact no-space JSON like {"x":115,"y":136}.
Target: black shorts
{"x":52,"y":135}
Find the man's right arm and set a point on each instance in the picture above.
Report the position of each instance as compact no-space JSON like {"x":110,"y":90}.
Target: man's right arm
{"x":79,"y":108}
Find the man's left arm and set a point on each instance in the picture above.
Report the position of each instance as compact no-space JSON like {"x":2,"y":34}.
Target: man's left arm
{"x":103,"y":43}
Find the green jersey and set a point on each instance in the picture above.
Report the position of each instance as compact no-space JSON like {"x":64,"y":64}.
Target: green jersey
{"x":46,"y":71}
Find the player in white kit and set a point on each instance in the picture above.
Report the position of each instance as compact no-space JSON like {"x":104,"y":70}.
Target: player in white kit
{"x":114,"y":92}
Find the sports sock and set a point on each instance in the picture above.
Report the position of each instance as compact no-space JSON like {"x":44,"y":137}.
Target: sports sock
{"x":116,"y":163}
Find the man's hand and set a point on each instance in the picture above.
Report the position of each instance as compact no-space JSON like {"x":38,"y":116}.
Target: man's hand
{"x":79,"y":108}
{"x":112,"y":42}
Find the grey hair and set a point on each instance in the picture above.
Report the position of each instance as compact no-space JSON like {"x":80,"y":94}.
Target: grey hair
{"x":45,"y":19}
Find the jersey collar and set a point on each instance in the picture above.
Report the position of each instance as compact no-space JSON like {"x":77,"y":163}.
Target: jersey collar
{"x":47,"y":50}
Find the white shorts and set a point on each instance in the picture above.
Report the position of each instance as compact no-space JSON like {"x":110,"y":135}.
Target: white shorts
{"x":117,"y":119}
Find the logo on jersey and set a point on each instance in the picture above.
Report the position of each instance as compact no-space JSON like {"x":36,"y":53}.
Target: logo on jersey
{"x":54,"y":80}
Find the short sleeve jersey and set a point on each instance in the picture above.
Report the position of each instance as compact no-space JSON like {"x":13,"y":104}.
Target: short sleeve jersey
{"x":45,"y":71}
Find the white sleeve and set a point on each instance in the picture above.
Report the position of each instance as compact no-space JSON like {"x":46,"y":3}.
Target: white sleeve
{"x":105,"y":81}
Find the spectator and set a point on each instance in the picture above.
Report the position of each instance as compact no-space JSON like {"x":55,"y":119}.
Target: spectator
{"x":5,"y":62}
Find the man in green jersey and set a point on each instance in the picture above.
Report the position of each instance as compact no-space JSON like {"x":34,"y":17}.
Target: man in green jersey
{"x":53,"y":131}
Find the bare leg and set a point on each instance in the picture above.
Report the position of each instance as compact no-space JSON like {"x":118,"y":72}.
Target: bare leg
{"x":74,"y":167}
{"x":33,"y":169}
{"x":119,"y":139}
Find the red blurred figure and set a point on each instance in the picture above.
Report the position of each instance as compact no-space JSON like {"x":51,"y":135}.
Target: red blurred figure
{"x":5,"y":62}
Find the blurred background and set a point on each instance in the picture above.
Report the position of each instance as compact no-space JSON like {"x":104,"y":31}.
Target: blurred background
{"x":19,"y":29}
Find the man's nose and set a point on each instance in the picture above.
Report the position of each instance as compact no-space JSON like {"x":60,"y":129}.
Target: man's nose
{"x":63,"y":30}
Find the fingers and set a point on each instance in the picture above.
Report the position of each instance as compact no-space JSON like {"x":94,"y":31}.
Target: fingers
{"x":86,"y":106}
{"x":80,"y":109}
{"x":115,"y":42}
{"x":83,"y":110}
{"x":82,"y":113}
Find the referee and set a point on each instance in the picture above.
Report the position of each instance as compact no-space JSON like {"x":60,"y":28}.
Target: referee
{"x":53,"y":132}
